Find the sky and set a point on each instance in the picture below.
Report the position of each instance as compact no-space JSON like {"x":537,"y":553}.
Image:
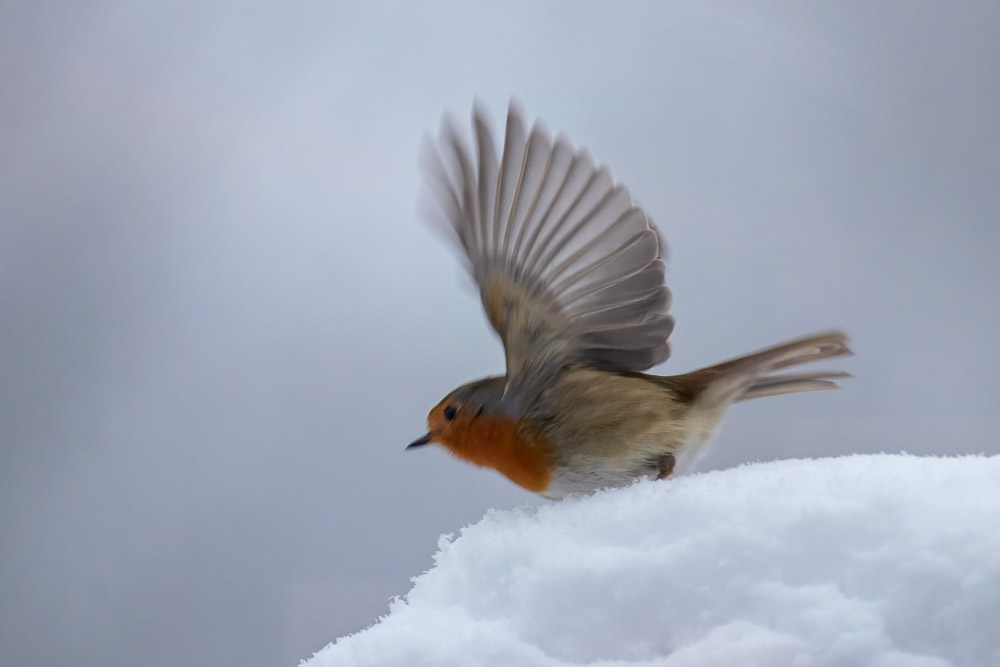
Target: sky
{"x":224,"y":316}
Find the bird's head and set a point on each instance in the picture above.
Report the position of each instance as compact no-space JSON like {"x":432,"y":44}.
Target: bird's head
{"x":450,"y":421}
{"x":474,"y":423}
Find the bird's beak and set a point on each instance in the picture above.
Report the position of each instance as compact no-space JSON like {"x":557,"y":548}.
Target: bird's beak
{"x":420,"y":442}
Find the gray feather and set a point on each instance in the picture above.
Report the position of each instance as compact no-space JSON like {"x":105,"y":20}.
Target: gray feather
{"x":570,"y":269}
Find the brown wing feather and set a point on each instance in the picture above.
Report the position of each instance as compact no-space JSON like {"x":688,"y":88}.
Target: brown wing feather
{"x":570,"y":270}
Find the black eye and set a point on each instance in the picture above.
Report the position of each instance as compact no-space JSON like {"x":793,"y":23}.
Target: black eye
{"x":449,"y":412}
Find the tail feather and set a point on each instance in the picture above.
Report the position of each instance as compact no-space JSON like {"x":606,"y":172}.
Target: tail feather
{"x":751,"y":376}
{"x":791,"y":383}
{"x":792,"y":353}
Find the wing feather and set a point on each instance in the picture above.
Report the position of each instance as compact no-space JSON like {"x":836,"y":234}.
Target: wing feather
{"x":570,"y":270}
{"x":531,"y":178}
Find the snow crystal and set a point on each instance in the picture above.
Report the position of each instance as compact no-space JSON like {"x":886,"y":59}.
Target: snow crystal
{"x":884,"y":561}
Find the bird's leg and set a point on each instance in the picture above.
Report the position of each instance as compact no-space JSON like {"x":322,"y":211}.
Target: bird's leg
{"x":666,"y":464}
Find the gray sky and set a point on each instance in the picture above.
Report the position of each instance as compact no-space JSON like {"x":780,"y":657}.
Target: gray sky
{"x":223,"y":318}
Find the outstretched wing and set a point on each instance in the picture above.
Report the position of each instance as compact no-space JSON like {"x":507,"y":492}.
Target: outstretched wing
{"x":569,"y":269}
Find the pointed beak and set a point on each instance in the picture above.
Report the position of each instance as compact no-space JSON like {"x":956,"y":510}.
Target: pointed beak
{"x":419,"y":442}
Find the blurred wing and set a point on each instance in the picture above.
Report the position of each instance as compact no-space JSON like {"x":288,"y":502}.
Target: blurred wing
{"x":568,"y":268}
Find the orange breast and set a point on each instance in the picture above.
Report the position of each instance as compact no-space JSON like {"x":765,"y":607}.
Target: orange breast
{"x":495,"y":442}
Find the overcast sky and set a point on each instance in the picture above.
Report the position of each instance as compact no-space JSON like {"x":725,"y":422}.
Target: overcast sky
{"x":223,"y":318}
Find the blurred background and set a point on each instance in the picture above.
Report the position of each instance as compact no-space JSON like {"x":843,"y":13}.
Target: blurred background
{"x":223,"y":318}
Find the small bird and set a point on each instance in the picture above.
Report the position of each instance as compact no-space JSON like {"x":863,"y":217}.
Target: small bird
{"x":571,"y":275}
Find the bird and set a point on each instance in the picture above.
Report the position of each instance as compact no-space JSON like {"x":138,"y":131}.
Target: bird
{"x":571,"y":274}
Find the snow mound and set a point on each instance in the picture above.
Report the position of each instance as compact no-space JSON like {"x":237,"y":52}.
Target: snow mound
{"x":882,"y":561}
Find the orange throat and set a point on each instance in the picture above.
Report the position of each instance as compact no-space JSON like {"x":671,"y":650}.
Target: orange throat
{"x":494,"y":442}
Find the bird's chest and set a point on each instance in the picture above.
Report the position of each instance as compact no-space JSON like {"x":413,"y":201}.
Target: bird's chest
{"x":524,"y":457}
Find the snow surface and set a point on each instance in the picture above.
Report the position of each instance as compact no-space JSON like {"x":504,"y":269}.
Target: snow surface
{"x":881,"y":561}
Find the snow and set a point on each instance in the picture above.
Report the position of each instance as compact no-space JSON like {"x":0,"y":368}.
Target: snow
{"x":882,"y":561}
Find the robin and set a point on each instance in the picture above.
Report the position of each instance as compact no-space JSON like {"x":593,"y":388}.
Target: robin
{"x":571,"y":275}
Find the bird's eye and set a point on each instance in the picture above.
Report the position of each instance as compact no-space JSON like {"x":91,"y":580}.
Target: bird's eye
{"x":449,"y":412}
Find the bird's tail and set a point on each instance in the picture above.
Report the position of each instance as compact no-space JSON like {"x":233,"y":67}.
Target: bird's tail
{"x":753,"y":375}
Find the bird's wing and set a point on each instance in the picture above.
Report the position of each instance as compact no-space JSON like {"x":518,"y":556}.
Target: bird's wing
{"x":569,"y":269}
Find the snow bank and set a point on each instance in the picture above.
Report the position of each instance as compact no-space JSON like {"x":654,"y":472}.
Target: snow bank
{"x":882,"y":561}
